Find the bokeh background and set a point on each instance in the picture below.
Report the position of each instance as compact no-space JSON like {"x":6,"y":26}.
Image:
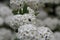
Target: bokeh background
{"x":48,"y":16}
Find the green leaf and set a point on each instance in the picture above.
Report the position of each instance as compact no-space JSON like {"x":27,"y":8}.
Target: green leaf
{"x":25,"y":8}
{"x":36,"y":14}
{"x":20,"y":11}
{"x":16,"y":38}
{"x":15,"y":11}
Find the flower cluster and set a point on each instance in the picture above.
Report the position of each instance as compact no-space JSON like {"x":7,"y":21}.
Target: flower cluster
{"x":18,"y":20}
{"x":29,"y":20}
{"x":5,"y":11}
{"x":5,"y":34}
{"x":30,"y":32}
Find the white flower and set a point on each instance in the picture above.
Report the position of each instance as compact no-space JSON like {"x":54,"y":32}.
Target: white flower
{"x":29,"y":19}
{"x":56,"y":1}
{"x":5,"y":11}
{"x":42,"y":15}
{"x":28,"y":32}
{"x":39,"y":23}
{"x":15,"y":4}
{"x":58,"y":26}
{"x":51,"y":23}
{"x":5,"y":34}
{"x":1,"y":21}
{"x":31,"y":11}
{"x":58,"y":11}
{"x":57,"y":35}
{"x":13,"y":21}
{"x":18,"y":20}
{"x":47,"y":1}
{"x":34,"y":4}
{"x":46,"y":33}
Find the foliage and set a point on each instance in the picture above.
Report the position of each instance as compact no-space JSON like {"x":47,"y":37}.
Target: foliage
{"x":20,"y":11}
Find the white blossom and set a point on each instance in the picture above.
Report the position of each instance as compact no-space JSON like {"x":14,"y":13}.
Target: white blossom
{"x":15,"y":4}
{"x":5,"y":11}
{"x":56,"y":1}
{"x":12,"y":22}
{"x":29,"y":19}
{"x":5,"y":34}
{"x":58,"y":11}
{"x":31,"y":11}
{"x":1,"y":21}
{"x":46,"y":33}
{"x":57,"y":35}
{"x":28,"y":32}
{"x":47,"y":1}
{"x":58,"y":26}
{"x":42,"y":15}
{"x":51,"y":23}
{"x":18,"y":20}
{"x":39,"y":23}
{"x":34,"y":4}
